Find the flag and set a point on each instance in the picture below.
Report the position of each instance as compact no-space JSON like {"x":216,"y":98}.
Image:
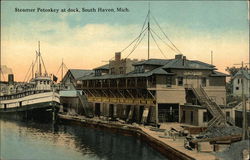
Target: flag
{"x":54,"y":78}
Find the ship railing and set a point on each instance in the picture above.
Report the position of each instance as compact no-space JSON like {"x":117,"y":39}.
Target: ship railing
{"x":22,"y":94}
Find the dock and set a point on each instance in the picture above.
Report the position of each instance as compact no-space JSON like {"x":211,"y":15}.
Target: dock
{"x":170,"y":148}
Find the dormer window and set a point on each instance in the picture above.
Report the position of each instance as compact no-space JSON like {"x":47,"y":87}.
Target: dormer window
{"x":139,"y":69}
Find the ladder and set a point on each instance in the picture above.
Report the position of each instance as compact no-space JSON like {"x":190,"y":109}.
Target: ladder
{"x":85,"y":104}
{"x":219,"y":117}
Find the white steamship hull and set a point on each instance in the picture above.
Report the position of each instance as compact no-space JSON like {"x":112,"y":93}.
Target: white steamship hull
{"x":31,"y":105}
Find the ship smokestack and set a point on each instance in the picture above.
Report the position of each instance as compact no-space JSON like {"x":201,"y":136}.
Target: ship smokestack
{"x":11,"y":78}
{"x":184,"y":60}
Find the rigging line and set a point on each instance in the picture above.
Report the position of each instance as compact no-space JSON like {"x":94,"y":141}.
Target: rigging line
{"x":137,"y":45}
{"x":59,"y":69}
{"x":136,"y":39}
{"x":27,"y":73}
{"x":65,"y":66}
{"x":157,"y":45}
{"x":2,"y":74}
{"x":32,"y":65}
{"x":164,"y":41}
{"x":139,"y":34}
{"x":165,"y":34}
{"x":28,"y":77}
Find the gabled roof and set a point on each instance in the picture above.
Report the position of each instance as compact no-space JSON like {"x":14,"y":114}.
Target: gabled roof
{"x":157,"y":62}
{"x":246,"y":74}
{"x":218,"y":74}
{"x":77,"y":73}
{"x":188,"y":64}
{"x":105,"y":67}
{"x":177,"y":64}
{"x":157,"y":71}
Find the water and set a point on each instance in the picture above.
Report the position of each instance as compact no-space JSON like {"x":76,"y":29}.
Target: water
{"x":37,"y":141}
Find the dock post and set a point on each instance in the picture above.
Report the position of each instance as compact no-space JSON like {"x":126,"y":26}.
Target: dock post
{"x":53,"y":114}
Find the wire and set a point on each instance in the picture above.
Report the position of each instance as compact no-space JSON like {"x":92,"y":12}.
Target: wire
{"x":58,"y":69}
{"x":165,"y":34}
{"x":139,"y":34}
{"x":163,"y":41}
{"x":157,"y":45}
{"x":136,"y":45}
{"x":27,"y":73}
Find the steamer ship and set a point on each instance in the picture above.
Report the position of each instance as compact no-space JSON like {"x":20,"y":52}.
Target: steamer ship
{"x":36,"y":99}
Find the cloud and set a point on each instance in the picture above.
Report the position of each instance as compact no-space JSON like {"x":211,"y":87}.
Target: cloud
{"x":5,"y":70}
{"x":89,"y":45}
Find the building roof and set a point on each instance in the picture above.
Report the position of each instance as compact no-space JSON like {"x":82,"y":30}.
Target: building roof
{"x":245,"y":73}
{"x":105,"y":67}
{"x":157,"y":71}
{"x":238,"y":107}
{"x":218,"y":74}
{"x":188,"y":64}
{"x":177,"y":64}
{"x":77,"y":73}
{"x":157,"y":62}
{"x":68,"y":93}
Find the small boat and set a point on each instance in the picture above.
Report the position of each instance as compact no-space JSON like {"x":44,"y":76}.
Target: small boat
{"x":36,"y":99}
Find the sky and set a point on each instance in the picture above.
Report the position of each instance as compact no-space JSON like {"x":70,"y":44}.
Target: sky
{"x":85,"y":40}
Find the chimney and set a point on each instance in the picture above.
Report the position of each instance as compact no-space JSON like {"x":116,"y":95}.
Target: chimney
{"x":11,"y":78}
{"x":178,"y":56}
{"x":117,"y":56}
{"x":184,"y":60}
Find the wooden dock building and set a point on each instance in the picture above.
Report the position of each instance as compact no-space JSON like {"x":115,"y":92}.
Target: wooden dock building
{"x":156,"y":90}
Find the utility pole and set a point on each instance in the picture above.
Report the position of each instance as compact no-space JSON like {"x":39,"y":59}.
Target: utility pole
{"x":244,"y":110}
{"x":244,"y":113}
{"x":211,"y":57}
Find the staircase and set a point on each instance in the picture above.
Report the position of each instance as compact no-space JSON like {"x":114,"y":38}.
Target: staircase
{"x":84,"y":102}
{"x":219,"y":117}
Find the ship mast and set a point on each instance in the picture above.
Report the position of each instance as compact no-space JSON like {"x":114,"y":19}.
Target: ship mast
{"x":62,"y":70}
{"x":148,"y":29}
{"x":39,"y":60}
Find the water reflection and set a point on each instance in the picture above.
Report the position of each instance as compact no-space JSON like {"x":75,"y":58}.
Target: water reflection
{"x":29,"y":140}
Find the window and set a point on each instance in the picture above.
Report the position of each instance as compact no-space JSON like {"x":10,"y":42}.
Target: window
{"x":191,"y":117}
{"x":227,"y":114}
{"x":204,"y":82}
{"x":238,"y":81}
{"x":184,"y":116}
{"x":237,"y":88}
{"x":180,"y":81}
{"x":205,"y":117}
{"x":169,"y":81}
{"x":139,"y":69}
{"x":121,"y":70}
{"x":112,"y":70}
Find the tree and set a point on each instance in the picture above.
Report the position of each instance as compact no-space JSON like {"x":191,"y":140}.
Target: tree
{"x":232,"y":71}
{"x":229,"y":85}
